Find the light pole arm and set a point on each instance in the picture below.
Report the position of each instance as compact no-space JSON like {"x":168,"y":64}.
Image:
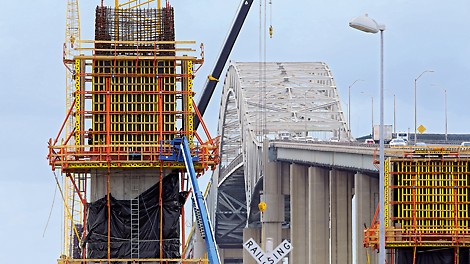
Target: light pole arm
{"x":416,"y":80}
{"x":415,"y":108}
{"x":349,"y":107}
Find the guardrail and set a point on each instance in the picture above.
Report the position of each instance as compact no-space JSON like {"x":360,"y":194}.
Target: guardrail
{"x":131,"y":261}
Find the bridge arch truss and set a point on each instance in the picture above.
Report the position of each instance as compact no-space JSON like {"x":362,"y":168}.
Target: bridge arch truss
{"x":263,"y":101}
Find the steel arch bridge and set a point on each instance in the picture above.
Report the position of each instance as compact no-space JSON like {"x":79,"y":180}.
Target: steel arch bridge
{"x":275,"y":100}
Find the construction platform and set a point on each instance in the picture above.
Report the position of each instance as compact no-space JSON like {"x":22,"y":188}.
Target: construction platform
{"x":124,"y":179}
{"x":140,"y":97}
{"x":427,"y":201}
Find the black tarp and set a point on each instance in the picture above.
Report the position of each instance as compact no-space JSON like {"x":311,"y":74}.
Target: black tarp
{"x":149,"y":219}
{"x":431,"y":256}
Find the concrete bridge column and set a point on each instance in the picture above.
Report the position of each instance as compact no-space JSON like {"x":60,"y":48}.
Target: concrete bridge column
{"x":248,"y":233}
{"x":299,"y":214}
{"x":341,"y":184}
{"x":318,"y":215}
{"x":272,"y":195}
{"x":366,"y":199}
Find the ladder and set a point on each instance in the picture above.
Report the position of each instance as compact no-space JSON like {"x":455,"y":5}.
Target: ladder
{"x":199,"y":223}
{"x":135,"y":228}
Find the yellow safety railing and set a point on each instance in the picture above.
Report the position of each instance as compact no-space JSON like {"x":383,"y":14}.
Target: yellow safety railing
{"x":65,"y":260}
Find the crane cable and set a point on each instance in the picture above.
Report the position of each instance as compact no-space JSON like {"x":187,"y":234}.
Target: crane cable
{"x":259,"y":121}
{"x":50,"y":213}
{"x":262,"y":68}
{"x":270,"y":19}
{"x":67,"y":209}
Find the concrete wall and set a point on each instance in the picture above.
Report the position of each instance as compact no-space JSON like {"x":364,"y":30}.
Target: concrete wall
{"x":366,"y":198}
{"x":124,"y":184}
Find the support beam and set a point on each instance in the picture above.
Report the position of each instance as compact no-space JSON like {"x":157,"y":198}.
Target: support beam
{"x":366,"y":198}
{"x":299,"y":215}
{"x":318,"y":215}
{"x":341,"y":184}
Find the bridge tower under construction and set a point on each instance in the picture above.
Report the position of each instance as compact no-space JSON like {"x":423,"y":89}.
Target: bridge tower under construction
{"x":122,"y":178}
{"x":427,"y":205}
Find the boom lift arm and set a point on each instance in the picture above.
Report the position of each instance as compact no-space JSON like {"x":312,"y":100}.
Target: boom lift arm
{"x":201,"y":208}
{"x":213,"y":78}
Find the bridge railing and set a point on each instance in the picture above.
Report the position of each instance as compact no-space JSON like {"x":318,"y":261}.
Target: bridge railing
{"x":234,"y":163}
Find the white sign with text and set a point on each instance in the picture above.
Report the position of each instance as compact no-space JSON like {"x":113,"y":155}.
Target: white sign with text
{"x":272,"y":257}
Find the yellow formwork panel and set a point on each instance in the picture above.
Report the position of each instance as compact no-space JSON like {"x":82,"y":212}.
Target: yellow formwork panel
{"x":386,"y":191}
{"x":135,"y":110}
{"x":65,"y":260}
{"x":132,"y":107}
{"x":189,"y":88}
{"x":427,"y":201}
{"x":104,"y":165}
{"x":78,"y":102}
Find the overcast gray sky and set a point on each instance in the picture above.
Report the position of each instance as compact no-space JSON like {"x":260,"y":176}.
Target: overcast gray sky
{"x":420,"y":35}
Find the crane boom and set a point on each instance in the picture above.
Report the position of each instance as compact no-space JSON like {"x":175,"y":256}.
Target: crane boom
{"x":73,"y":214}
{"x":213,"y":78}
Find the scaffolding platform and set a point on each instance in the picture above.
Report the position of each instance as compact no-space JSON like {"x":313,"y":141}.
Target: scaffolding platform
{"x":129,"y":104}
{"x":427,"y":199}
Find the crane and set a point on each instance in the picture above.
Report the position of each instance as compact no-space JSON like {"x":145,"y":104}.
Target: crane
{"x":74,"y":208}
{"x":213,"y":78}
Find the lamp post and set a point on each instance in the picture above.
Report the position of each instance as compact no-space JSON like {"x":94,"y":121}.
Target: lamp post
{"x":368,"y":25}
{"x":372,"y":117}
{"x":349,"y":106}
{"x":372,"y":114}
{"x":415,"y":97}
{"x":445,"y":109}
{"x":394,"y":114}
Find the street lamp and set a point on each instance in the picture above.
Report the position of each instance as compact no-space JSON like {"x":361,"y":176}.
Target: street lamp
{"x":372,"y":117}
{"x":415,"y":97}
{"x":349,"y":106}
{"x":394,"y":114}
{"x":445,"y":110}
{"x":445,"y":105}
{"x":368,"y":25}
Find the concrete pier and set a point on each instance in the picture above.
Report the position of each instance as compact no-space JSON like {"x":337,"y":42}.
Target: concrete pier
{"x":299,"y":213}
{"x":341,"y":184}
{"x":317,"y":194}
{"x":366,"y":198}
{"x":318,"y":214}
